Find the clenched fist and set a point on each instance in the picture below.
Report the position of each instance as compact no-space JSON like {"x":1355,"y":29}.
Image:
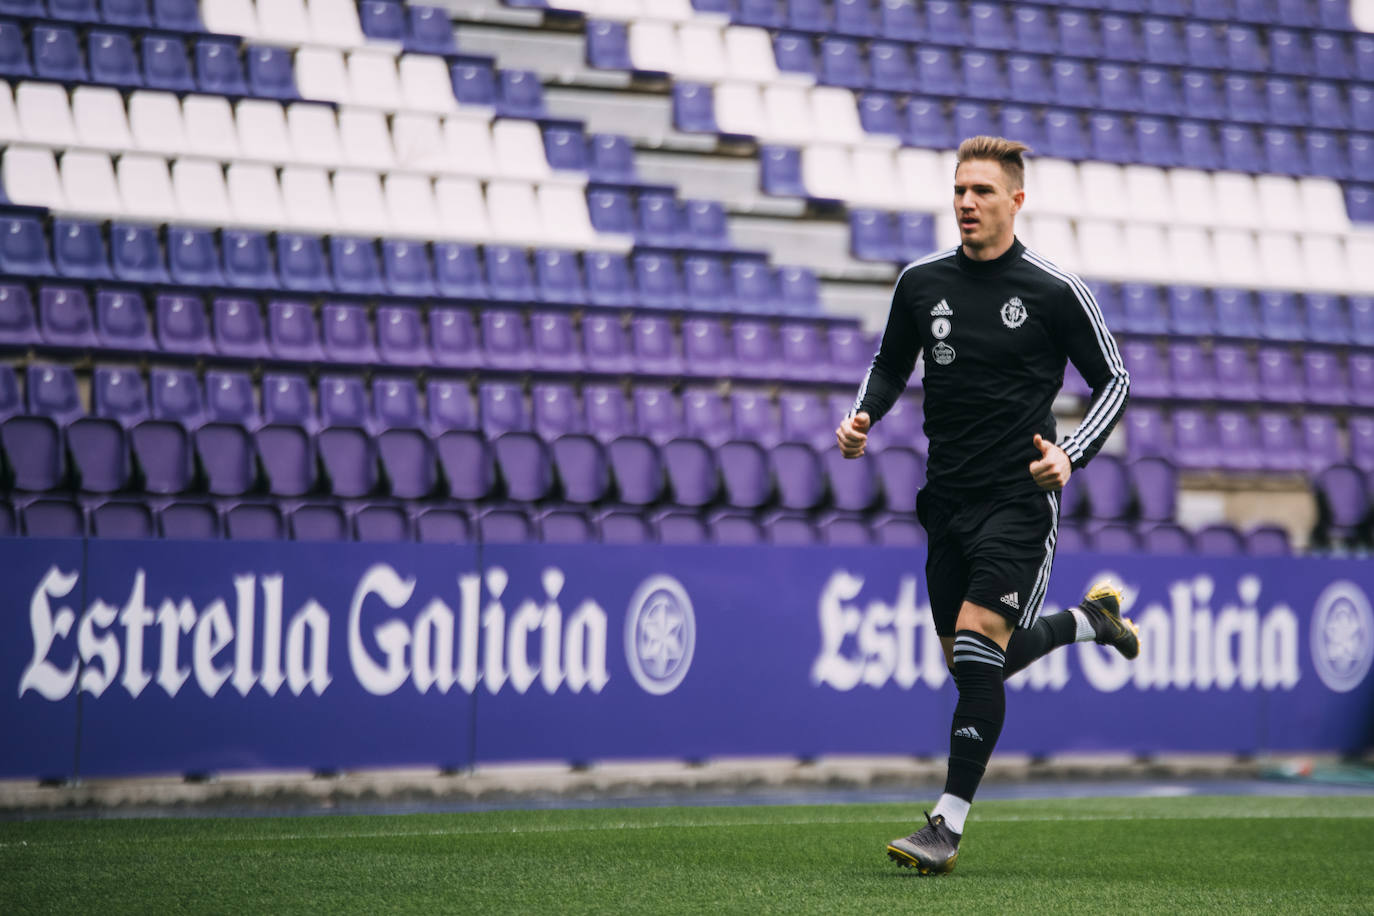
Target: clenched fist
{"x":852,"y":435}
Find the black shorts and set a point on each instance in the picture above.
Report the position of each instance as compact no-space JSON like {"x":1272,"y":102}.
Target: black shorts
{"x":995,"y":553}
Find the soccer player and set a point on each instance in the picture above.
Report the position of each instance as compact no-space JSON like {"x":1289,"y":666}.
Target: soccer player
{"x":995,"y":323}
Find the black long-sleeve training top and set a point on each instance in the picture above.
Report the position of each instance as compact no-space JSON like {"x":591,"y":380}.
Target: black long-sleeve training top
{"x":995,"y":336}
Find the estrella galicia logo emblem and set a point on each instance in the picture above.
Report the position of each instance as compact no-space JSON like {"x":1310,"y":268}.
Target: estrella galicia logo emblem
{"x":1013,"y":313}
{"x":1342,"y":636}
{"x":942,"y":353}
{"x":660,"y":634}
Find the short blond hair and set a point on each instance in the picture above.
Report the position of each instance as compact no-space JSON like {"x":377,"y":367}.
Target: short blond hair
{"x":997,"y":149}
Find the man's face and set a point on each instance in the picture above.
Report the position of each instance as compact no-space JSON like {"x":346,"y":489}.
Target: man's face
{"x":985,"y":206}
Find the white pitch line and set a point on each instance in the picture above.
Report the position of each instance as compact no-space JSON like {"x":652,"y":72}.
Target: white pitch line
{"x":661,"y":825}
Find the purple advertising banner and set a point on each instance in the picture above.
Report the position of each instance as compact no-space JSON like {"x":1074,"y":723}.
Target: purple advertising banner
{"x":129,"y":657}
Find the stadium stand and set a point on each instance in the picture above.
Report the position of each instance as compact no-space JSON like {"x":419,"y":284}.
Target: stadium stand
{"x":326,"y":269}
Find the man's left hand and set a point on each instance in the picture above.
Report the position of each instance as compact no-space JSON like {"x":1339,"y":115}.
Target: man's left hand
{"x":1052,"y":469}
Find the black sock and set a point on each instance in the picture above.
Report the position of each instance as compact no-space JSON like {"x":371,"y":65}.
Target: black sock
{"x":979,"y":715}
{"x":1048,"y":634}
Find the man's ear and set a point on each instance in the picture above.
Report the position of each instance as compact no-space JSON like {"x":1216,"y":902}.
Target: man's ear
{"x":1018,"y":200}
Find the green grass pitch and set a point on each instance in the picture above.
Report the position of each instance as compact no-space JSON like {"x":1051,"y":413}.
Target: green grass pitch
{"x":1218,"y":855}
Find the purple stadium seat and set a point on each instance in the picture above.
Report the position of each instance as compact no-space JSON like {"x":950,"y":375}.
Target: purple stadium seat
{"x":348,"y":452}
{"x":14,"y":52}
{"x":1322,"y":444}
{"x":657,"y":350}
{"x":705,"y":416}
{"x":1107,"y":487}
{"x":224,"y":443}
{"x":519,"y":94}
{"x":1237,"y":446}
{"x":355,"y":267}
{"x":474,"y":80}
{"x":443,"y":526}
{"x":565,"y":526}
{"x":401,"y":336}
{"x":64,"y":316}
{"x":122,"y":519}
{"x":271,"y":72}
{"x":458,"y":271}
{"x":1155,"y":484}
{"x":891,"y":65}
{"x":607,"y":412}
{"x":17,"y":325}
{"x":1148,"y":376}
{"x":137,"y":254}
{"x":193,"y":257}
{"x":1279,"y":379}
{"x":679,"y":526}
{"x":1195,"y":440}
{"x":706,"y":283}
{"x":1267,"y":541}
{"x":407,"y":455}
{"x":428,"y":30}
{"x":1237,"y":376}
{"x":508,"y":273}
{"x":301,"y":262}
{"x":239,"y":329}
{"x":384,"y":20}
{"x":79,"y":250}
{"x":706,"y":348}
{"x":284,"y":443}
{"x":780,"y":173}
{"x":1327,"y":321}
{"x":166,"y":65}
{"x":57,"y":54}
{"x":1115,"y":537}
{"x":793,"y":53}
{"x":1279,"y":317}
{"x":756,"y":349}
{"x":454,"y":339}
{"x":1343,"y":504}
{"x":162,"y":445}
{"x":1279,"y":442}
{"x":606,"y":345}
{"x":558,"y":278}
{"x":48,"y":517}
{"x":505,"y":340}
{"x":608,"y":45}
{"x":1324,"y":378}
{"x":346,"y":333}
{"x":611,"y":158}
{"x":1029,"y":83}
{"x":292,"y":332}
{"x":189,"y":520}
{"x":468,"y":465}
{"x":406,"y":269}
{"x":1218,"y":540}
{"x":608,"y":279}
{"x":375,"y":522}
{"x":802,"y":352}
{"x":182,"y":327}
{"x":1361,"y":367}
{"x":1191,"y":373}
{"x":1190,"y":311}
{"x":755,"y":288}
{"x":553,"y":342}
{"x":254,"y":522}
{"x":1166,"y":538}
{"x":903,"y":473}
{"x":219,"y":70}
{"x":98,"y":445}
{"x":23,"y":247}
{"x":248,"y":260}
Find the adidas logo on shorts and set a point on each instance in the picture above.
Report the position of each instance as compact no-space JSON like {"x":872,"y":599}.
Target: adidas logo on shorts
{"x":968,"y":731}
{"x":942,"y":308}
{"x":1012,"y":600}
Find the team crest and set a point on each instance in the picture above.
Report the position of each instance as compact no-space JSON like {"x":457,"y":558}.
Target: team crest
{"x":942,"y":353}
{"x":1013,"y":313}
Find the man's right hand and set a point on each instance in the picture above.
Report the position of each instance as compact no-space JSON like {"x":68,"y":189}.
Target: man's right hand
{"x":852,"y":435}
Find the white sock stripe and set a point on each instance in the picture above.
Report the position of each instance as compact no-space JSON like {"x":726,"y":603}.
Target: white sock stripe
{"x":976,"y":642}
{"x":976,"y":652}
{"x":958,"y":659}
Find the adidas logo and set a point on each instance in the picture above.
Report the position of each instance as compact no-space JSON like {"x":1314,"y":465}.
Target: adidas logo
{"x":968,"y":731}
{"x":1011,"y":599}
{"x":942,"y":309}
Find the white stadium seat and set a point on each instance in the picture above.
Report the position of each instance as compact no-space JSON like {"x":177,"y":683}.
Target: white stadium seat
{"x":210,"y":129}
{"x":102,"y":122}
{"x":30,"y":177}
{"x":1237,"y":200}
{"x":513,"y":212}
{"x":1323,"y":263}
{"x":749,"y":54}
{"x":155,"y":120}
{"x":254,"y":195}
{"x":1192,"y":198}
{"x":563,"y":213}
{"x":419,"y":142}
{"x":373,"y":80}
{"x":284,"y":22}
{"x":1052,"y":187}
{"x":1279,"y":260}
{"x":366,"y":139}
{"x":200,"y":191}
{"x":1279,"y":201}
{"x":146,"y":188}
{"x":923,"y":184}
{"x":45,"y":114}
{"x":426,"y":84}
{"x":462,"y":209}
{"x":321,"y":75}
{"x":1237,"y":260}
{"x":1103,"y":186}
{"x":827,"y":171}
{"x":788,"y":114}
{"x":314,"y":134}
{"x":88,"y":183}
{"x":469,"y":146}
{"x":411,"y":206}
{"x":335,"y":22}
{"x":875,"y":176}
{"x":702,"y":49}
{"x":1101,"y":246}
{"x":262,"y":131}
{"x":1053,"y":238}
{"x":739,"y":108}
{"x":359,"y":203}
{"x":1323,"y":205}
{"x":1147,"y":248}
{"x":1359,"y":254}
{"x":654,"y":46}
{"x":1190,"y":251}
{"x":1147,"y":194}
{"x":835,"y":108}
{"x":9,"y":116}
{"x":230,"y":17}
{"x":308,"y":198}
{"x":519,"y":149}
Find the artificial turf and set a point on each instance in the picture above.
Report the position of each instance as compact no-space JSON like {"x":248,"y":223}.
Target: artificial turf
{"x":1221,"y":855}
